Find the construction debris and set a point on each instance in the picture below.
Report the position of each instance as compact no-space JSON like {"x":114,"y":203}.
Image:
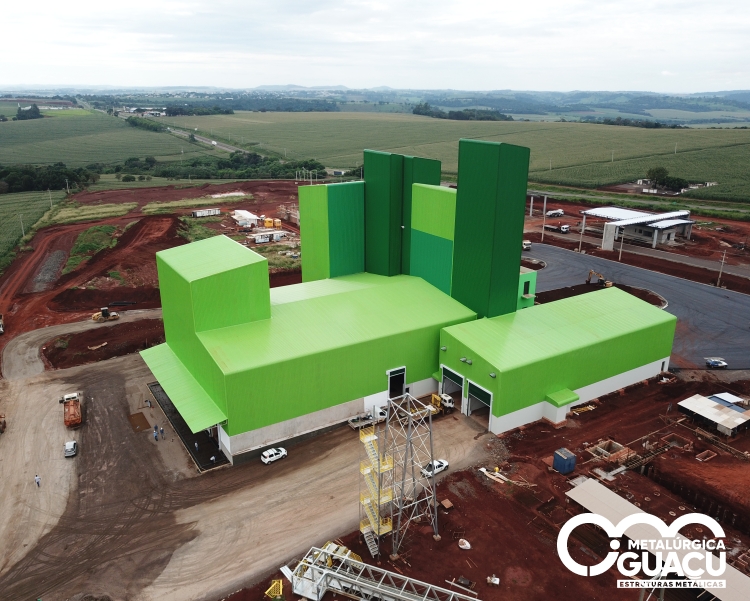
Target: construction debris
{"x":582,"y":409}
{"x":98,"y":346}
{"x":498,"y":477}
{"x":464,"y":544}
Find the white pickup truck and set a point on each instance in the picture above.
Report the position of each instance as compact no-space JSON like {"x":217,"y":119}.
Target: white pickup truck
{"x":368,"y":419}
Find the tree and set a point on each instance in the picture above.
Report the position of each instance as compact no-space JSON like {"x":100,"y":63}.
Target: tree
{"x":191,"y":138}
{"x":150,"y":161}
{"x":657,"y":174}
{"x":31,"y":113}
{"x":3,"y":118}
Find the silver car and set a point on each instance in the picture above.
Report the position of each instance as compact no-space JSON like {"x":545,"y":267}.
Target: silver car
{"x":71,"y":448}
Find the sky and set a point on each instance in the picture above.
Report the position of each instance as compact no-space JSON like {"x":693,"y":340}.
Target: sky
{"x":665,"y":46}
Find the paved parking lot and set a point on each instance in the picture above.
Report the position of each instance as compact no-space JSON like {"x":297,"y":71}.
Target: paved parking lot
{"x":711,"y":321}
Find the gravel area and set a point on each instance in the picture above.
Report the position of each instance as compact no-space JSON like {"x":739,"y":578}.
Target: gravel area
{"x":49,"y":272}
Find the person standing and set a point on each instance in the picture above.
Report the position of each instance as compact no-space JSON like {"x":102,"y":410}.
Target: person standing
{"x":162,"y":433}
{"x":196,"y":446}
{"x":38,"y":480}
{"x":156,"y":436}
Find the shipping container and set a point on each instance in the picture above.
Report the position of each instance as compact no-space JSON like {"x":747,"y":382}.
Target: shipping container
{"x":268,"y":222}
{"x":277,"y":223}
{"x":206,"y":212}
{"x":564,"y":461}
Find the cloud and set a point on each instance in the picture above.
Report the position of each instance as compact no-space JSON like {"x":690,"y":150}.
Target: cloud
{"x":476,"y":44}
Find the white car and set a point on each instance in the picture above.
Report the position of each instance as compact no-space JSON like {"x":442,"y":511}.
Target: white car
{"x":71,"y":448}
{"x":434,"y":467}
{"x":272,"y":455}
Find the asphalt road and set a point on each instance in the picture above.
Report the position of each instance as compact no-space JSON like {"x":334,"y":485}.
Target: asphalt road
{"x":219,"y":145}
{"x":711,"y":322}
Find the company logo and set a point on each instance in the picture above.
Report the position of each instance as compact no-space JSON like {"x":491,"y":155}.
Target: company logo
{"x":668,"y":553}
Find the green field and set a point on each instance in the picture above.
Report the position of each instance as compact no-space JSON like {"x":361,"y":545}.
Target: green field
{"x":15,"y":209}
{"x":580,"y":154}
{"x":80,"y":137}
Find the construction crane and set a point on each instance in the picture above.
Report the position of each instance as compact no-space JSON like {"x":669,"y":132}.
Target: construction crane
{"x":601,"y":280}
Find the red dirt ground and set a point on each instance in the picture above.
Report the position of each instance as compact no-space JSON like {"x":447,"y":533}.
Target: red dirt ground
{"x":560,"y":293}
{"x":707,"y":241}
{"x":76,"y":295}
{"x":513,"y":531}
{"x":124,"y":338}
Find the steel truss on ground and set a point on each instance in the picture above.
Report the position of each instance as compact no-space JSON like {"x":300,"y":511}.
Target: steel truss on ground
{"x":335,"y":568}
{"x":408,"y":441}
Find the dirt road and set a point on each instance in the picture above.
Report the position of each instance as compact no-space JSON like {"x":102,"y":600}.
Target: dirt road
{"x":21,"y":356}
{"x":124,"y":518}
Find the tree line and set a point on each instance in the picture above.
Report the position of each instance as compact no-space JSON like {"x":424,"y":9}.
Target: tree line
{"x":659,"y":176}
{"x":30,"y":178}
{"x":424,"y":108}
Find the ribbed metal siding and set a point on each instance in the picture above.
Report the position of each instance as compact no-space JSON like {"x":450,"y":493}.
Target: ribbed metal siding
{"x":417,"y":170}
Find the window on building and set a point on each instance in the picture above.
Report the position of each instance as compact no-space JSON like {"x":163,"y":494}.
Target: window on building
{"x":526,"y":286}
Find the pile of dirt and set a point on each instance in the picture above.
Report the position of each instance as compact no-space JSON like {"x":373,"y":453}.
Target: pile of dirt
{"x":560,"y":293}
{"x":532,"y":264}
{"x":83,"y":299}
{"x":121,"y":339}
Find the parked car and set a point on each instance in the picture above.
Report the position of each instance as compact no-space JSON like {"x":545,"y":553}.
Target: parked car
{"x":716,"y":363}
{"x":434,"y":467}
{"x":71,"y":448}
{"x":526,"y":245}
{"x":272,"y":455}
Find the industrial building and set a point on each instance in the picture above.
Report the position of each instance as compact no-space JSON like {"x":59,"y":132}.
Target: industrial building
{"x":724,"y":412}
{"x":640,"y":226}
{"x":407,"y":287}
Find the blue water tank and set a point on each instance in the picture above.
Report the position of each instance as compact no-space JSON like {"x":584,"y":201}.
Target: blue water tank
{"x":564,"y":461}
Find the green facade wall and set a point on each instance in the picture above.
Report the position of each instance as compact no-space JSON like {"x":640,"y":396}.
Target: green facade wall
{"x":530,"y":277}
{"x":332,"y":226}
{"x":314,"y":232}
{"x":384,"y":174}
{"x":490,"y":205}
{"x":431,"y":240}
{"x":567,"y":344}
{"x":417,"y":170}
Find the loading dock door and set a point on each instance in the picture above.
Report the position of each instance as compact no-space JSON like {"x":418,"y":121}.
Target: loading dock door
{"x":396,"y":382}
{"x":453,"y":377}
{"x":480,"y":395}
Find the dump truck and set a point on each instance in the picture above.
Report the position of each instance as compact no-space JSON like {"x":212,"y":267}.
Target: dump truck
{"x":105,"y":315}
{"x":2,"y":324}
{"x":563,"y":229}
{"x":72,"y":415}
{"x":601,"y":280}
{"x":442,"y":403}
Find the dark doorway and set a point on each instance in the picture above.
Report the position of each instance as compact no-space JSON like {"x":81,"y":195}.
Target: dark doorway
{"x":396,"y":382}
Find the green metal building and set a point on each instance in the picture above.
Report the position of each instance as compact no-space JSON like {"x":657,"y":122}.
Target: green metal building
{"x":407,"y":286}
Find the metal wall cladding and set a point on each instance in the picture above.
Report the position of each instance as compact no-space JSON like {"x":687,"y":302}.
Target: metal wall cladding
{"x":570,"y":343}
{"x":432,"y":259}
{"x":331,"y":349}
{"x":346,"y":223}
{"x":417,"y":170}
{"x":490,"y":204}
{"x":313,"y":211}
{"x":529,"y":277}
{"x":383,"y":212}
{"x":434,"y":210}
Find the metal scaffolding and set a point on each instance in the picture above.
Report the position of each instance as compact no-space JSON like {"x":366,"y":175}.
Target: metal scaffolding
{"x":408,"y":441}
{"x":375,"y":490}
{"x":335,"y":568}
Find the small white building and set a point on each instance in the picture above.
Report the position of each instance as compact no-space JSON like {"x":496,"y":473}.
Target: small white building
{"x":245,"y":218}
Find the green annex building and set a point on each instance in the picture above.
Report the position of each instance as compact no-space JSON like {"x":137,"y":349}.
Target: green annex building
{"x":408,"y":286}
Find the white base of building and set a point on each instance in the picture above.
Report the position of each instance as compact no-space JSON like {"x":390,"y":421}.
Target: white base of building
{"x":274,"y":434}
{"x":556,"y":415}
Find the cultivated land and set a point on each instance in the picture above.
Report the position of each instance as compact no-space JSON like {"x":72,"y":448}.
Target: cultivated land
{"x":581,"y":154}
{"x":79,"y":138}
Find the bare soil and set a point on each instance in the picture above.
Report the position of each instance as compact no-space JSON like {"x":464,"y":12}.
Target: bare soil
{"x":513,"y":530}
{"x":121,"y":339}
{"x":560,"y":293}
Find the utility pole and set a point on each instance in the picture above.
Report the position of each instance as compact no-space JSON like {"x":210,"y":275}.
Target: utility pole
{"x":20,"y":218}
{"x":544,"y":216}
{"x":50,"y":198}
{"x":531,"y":207}
{"x":67,"y":185}
{"x":550,"y":164}
{"x":721,"y":269}
{"x":613,"y":156}
{"x":675,"y":147}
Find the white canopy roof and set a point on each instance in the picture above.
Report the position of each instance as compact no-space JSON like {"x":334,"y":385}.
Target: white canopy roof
{"x":615,"y":213}
{"x":242,"y":214}
{"x":667,"y":223}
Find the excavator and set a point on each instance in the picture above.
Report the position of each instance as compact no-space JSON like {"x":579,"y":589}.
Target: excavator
{"x":601,"y":280}
{"x":105,"y":315}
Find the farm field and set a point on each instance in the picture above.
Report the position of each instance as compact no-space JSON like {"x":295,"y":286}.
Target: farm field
{"x":30,"y":206}
{"x":82,"y":137}
{"x":579,"y":154}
